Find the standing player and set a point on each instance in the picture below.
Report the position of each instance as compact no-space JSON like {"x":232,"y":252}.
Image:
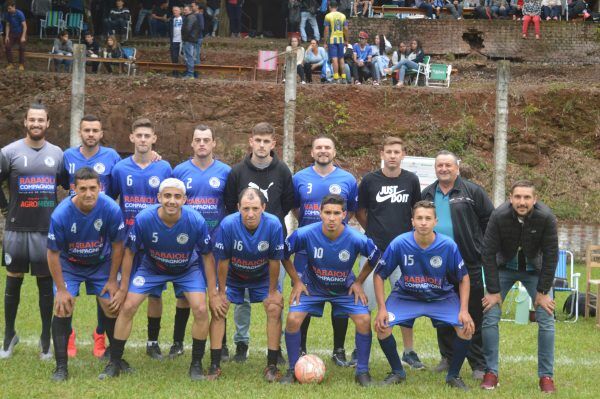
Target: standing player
{"x":331,"y":247}
{"x":385,"y":200}
{"x":204,"y":179}
{"x":33,"y":168}
{"x":168,"y":238}
{"x":431,"y":267}
{"x":85,"y":245}
{"x":336,"y":37}
{"x":135,"y":180}
{"x":249,"y":246}
{"x":310,"y":186}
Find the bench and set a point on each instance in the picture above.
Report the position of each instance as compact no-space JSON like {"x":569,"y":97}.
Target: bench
{"x":392,"y":10}
{"x":167,"y":66}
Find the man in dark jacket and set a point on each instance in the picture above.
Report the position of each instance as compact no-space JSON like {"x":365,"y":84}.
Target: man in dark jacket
{"x":190,"y":34}
{"x":520,"y":244}
{"x":463,"y":209}
{"x":262,"y":170}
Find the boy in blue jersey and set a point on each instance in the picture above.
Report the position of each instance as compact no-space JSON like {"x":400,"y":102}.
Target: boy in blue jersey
{"x":431,"y":268}
{"x":332,"y":247}
{"x":135,"y":181}
{"x":168,"y":238}
{"x":249,"y":246}
{"x":205,"y":179}
{"x":85,"y":244}
{"x":310,"y":186}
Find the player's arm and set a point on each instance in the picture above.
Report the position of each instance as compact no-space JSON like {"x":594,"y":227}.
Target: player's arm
{"x":112,"y":285}
{"x":464,"y":288}
{"x":361,"y":217}
{"x":325,"y":35}
{"x":63,"y":300}
{"x":24,"y":34}
{"x":296,"y":213}
{"x":218,"y":299}
{"x":381,"y":320}
{"x":346,"y":35}
{"x":210,"y":272}
{"x":119,"y":297}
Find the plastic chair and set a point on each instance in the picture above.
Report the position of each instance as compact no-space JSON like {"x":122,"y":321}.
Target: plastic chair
{"x":267,"y":61}
{"x":74,"y":22}
{"x":438,"y":75}
{"x":54,"y":19}
{"x":130,"y":53}
{"x":423,"y":66}
{"x":592,"y":261}
{"x":570,"y":278}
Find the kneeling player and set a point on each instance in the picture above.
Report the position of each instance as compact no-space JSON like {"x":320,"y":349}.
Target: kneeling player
{"x":85,"y":244}
{"x":249,"y":246}
{"x":331,"y":248}
{"x":167,"y":237}
{"x":431,"y":266}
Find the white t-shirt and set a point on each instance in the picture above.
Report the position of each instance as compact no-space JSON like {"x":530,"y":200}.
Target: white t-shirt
{"x":177,"y":24}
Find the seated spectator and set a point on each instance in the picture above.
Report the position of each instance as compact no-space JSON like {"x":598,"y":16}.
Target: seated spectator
{"x":396,"y":3}
{"x":213,"y":9}
{"x":578,"y":7}
{"x":118,"y":18}
{"x":410,"y":62}
{"x":455,"y":7}
{"x":398,"y":56}
{"x":63,"y":46}
{"x":362,"y":66}
{"x":159,"y":20}
{"x":112,"y":49}
{"x":295,"y":45}
{"x":348,"y":60}
{"x":516,"y":8}
{"x":146,"y":7}
{"x":314,"y":59}
{"x":426,"y":6}
{"x":438,"y":5}
{"x":361,"y":7}
{"x":499,"y":8}
{"x":531,"y":12}
{"x":92,"y":50}
{"x":551,"y":9}
{"x":379,"y":54}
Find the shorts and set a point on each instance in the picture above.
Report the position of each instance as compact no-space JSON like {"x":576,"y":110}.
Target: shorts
{"x":148,"y":282}
{"x":336,"y":50}
{"x":341,"y":306}
{"x":258,"y":294}
{"x":21,"y":249}
{"x":403,"y":312}
{"x":94,"y":277}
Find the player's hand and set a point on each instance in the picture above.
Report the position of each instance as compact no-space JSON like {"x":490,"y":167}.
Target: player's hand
{"x":218,"y":304}
{"x":117,"y":300}
{"x":63,"y":303}
{"x":4,"y":211}
{"x":357,"y":290}
{"x":382,"y":321}
{"x":297,"y":291}
{"x":155,"y":157}
{"x":545,"y":302}
{"x":274,"y":298}
{"x":111,"y":286}
{"x":468,"y":325}
{"x":490,"y":300}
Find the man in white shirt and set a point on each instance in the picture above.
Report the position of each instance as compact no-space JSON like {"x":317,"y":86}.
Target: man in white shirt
{"x":175,"y":25}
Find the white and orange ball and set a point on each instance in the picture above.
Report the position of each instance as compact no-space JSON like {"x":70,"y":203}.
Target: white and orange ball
{"x":309,"y":369}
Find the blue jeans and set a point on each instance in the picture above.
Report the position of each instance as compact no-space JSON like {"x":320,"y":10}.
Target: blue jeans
{"x":159,"y":28}
{"x":189,"y":50}
{"x":312,"y":18}
{"x":403,"y":66}
{"x":143,"y":14}
{"x":197,"y":55}
{"x":499,"y":11}
{"x":214,"y":14}
{"x":491,"y":336}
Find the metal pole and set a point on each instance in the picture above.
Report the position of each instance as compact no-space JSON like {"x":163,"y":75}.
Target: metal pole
{"x":501,"y":126}
{"x":289,"y":113}
{"x":77,"y":92}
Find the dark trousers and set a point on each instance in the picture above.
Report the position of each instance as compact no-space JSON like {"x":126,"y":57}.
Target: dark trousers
{"x":14,"y":39}
{"x":362,"y":73}
{"x":174,"y":49}
{"x":308,"y":72}
{"x":235,"y":18}
{"x":300,"y":71}
{"x":446,"y":335}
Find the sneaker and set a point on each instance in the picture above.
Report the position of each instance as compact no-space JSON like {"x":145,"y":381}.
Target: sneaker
{"x":363,"y":379}
{"x":224,"y":353}
{"x":288,"y":378}
{"x":490,"y":381}
{"x":176,"y":349}
{"x":21,"y":67}
{"x":457,"y":382}
{"x":375,"y":83}
{"x":61,"y":373}
{"x":112,"y":369}
{"x":547,"y":385}
{"x":272,"y":373}
{"x":9,"y":67}
{"x":353,"y":359}
{"x":442,"y":366}
{"x":125,"y":367}
{"x":45,"y":352}
{"x":71,"y":346}
{"x":394,"y":378}
{"x":412,"y":359}
{"x":303,"y":82}
{"x":153,"y":350}
{"x":9,"y":347}
{"x":213,"y":373}
{"x":280,"y":359}
{"x":478,"y":375}
{"x":99,"y":344}
{"x":241,"y":352}
{"x":339,"y":357}
{"x":196,"y":372}
{"x":357,"y":83}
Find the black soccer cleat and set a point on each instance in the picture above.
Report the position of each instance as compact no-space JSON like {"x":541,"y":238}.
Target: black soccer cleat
{"x":363,"y":379}
{"x":457,"y":382}
{"x":225,"y":354}
{"x":176,"y":350}
{"x":112,"y":369}
{"x":339,"y":357}
{"x":412,"y":359}
{"x":394,"y":378}
{"x":271,"y":373}
{"x":196,"y":373}
{"x":61,"y":373}
{"x":241,"y":353}
{"x":125,"y":367}
{"x":288,"y":378}
{"x":153,"y":350}
{"x":280,"y":359}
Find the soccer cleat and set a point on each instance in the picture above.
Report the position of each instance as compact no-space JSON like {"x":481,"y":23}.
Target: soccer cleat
{"x":71,"y":346}
{"x":412,"y":359}
{"x":99,"y":344}
{"x":45,"y":352}
{"x":225,"y":354}
{"x":363,"y":379}
{"x":9,"y":67}
{"x":478,"y":375}
{"x":21,"y":67}
{"x":280,"y":359}
{"x":457,"y":382}
{"x":196,"y":373}
{"x":394,"y":378}
{"x":272,"y":373}
{"x":339,"y":357}
{"x":176,"y":349}
{"x":106,"y":355}
{"x":61,"y":373}
{"x":9,"y":347}
{"x":125,"y":367}
{"x":153,"y":350}
{"x":241,"y":352}
{"x":288,"y":378}
{"x":547,"y":385}
{"x":442,"y":366}
{"x":490,"y":381}
{"x":213,"y":373}
{"x":353,"y":359}
{"x":112,"y":369}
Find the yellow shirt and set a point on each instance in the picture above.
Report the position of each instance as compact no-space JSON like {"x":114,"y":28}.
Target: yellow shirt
{"x":336,"y":21}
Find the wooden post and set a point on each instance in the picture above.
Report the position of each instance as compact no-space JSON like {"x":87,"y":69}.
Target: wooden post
{"x":289,"y":119}
{"x":77,"y":92}
{"x":501,"y":127}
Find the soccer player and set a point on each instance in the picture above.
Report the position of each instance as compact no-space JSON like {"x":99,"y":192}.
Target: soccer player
{"x":33,"y":168}
{"x":168,"y":238}
{"x":249,"y":246}
{"x":135,"y":180}
{"x":310,"y":186}
{"x":385,"y":200}
{"x":205,"y":178}
{"x":336,"y":37}
{"x":85,"y":245}
{"x":331,"y":248}
{"x":431,"y":268}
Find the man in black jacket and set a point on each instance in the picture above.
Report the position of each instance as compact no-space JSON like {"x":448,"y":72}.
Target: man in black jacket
{"x":261,"y":169}
{"x":463,"y":209}
{"x":190,"y":34}
{"x":520,"y":244}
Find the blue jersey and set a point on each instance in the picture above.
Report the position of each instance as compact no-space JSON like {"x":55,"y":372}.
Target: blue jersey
{"x":427,"y":274}
{"x":310,"y":188}
{"x":137,"y":188}
{"x":85,"y":239}
{"x":249,"y":253}
{"x":169,"y":250}
{"x":204,"y":189}
{"x":329,"y":269}
{"x":102,"y":162}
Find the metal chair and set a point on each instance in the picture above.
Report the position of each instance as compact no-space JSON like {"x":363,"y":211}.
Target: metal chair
{"x":569,"y":279}
{"x":54,"y":19}
{"x":438,"y":75}
{"x":74,"y":22}
{"x":130,"y":53}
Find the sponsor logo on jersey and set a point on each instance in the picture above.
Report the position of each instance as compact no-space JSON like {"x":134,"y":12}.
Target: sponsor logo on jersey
{"x":263,"y":246}
{"x":335,"y":189}
{"x":50,"y":162}
{"x":121,"y":226}
{"x":392,"y":194}
{"x":435,"y":261}
{"x":214,"y":182}
{"x":51,"y":236}
{"x":98,"y":224}
{"x":391,"y":316}
{"x":7,"y":259}
{"x":139,"y":281}
{"x":344,"y":255}
{"x":154,"y":181}
{"x":99,"y":168}
{"x":182,"y":238}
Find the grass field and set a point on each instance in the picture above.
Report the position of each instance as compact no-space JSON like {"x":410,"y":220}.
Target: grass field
{"x":577,"y":363}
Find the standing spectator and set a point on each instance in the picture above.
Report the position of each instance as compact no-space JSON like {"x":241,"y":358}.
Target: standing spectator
{"x":531,"y":12}
{"x":190,"y":34}
{"x":455,"y":7}
{"x":314,"y":59}
{"x":426,"y":6}
{"x":159,"y":20}
{"x":345,"y":7}
{"x":175,"y":25}
{"x":295,"y":45}
{"x":362,"y":66}
{"x":463,"y":210}
{"x":213,"y":9}
{"x":336,"y":37}
{"x":234,"y":11}
{"x":145,"y":13}
{"x":16,"y":34}
{"x":92,"y":50}
{"x":198,"y":11}
{"x":63,"y":46}
{"x":112,"y":49}
{"x":308,"y":12}
{"x":410,"y":62}
{"x":551,"y":9}
{"x":118,"y":19}
{"x":520,"y":244}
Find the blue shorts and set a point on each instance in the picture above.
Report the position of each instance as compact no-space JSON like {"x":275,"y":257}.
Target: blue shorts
{"x":403,"y":312}
{"x":94,"y":277}
{"x":341,"y":306}
{"x":336,"y":50}
{"x":148,"y":282}
{"x":258,"y":294}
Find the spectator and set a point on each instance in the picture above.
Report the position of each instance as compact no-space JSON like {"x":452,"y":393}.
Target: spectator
{"x":551,"y":9}
{"x":362,"y":7}
{"x":531,"y":12}
{"x":16,"y":34}
{"x":295,"y":45}
{"x":190,"y":34}
{"x":336,"y":35}
{"x":92,"y":50}
{"x":455,"y":7}
{"x":410,"y":62}
{"x":198,"y":11}
{"x":345,"y":7}
{"x":348,"y":60}
{"x":308,"y":12}
{"x":398,"y":56}
{"x":175,"y":25}
{"x":362,"y":66}
{"x":499,"y":8}
{"x":438,"y":5}
{"x":63,"y":46}
{"x":379,"y":53}
{"x":517,"y":10}
{"x":234,"y":11}
{"x":159,"y":20}
{"x":213,"y":9}
{"x":426,"y":6}
{"x":577,"y":7}
{"x":314,"y":59}
{"x":112,"y":49}
{"x":118,"y":19}
{"x":145,"y":14}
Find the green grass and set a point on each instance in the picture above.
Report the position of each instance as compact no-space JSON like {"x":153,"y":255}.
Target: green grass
{"x":576,"y":366}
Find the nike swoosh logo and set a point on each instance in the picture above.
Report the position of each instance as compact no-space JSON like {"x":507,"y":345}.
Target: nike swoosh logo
{"x":381,"y":198}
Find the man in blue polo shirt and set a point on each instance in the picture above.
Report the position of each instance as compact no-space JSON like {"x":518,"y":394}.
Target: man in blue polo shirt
{"x":16,"y":34}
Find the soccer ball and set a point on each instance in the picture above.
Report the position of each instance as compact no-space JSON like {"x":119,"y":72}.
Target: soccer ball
{"x":309,"y":369}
